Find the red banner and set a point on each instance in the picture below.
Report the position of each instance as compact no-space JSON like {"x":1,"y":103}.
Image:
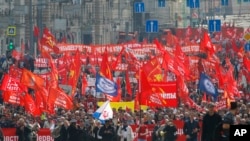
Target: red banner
{"x":167,"y":92}
{"x":45,"y":135}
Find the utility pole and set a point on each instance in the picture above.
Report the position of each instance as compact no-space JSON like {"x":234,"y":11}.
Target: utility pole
{"x":31,"y":28}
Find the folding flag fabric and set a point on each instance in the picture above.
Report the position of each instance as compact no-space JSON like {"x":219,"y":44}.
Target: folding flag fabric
{"x":104,"y":112}
{"x":13,"y":98}
{"x":207,"y":86}
{"x":153,"y":70}
{"x":31,"y":80}
{"x":11,"y":84}
{"x":105,"y":68}
{"x":49,"y":40}
{"x":105,"y":85}
{"x":30,"y":105}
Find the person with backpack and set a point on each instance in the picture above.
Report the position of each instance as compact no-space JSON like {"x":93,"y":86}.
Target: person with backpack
{"x":210,"y":120}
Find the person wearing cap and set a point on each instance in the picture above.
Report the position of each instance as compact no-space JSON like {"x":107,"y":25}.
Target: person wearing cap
{"x":210,"y":120}
{"x":125,"y":132}
{"x":107,"y":132}
{"x":229,"y":119}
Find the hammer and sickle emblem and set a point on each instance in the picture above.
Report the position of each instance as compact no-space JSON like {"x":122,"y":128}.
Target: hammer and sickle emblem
{"x":50,"y":42}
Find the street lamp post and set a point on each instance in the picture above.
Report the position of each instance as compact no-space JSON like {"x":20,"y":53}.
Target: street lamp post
{"x":31,"y":29}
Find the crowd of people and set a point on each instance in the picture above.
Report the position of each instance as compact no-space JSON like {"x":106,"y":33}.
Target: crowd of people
{"x":78,"y":124}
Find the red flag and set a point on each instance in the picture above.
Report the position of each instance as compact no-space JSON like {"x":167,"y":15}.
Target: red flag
{"x":128,"y":84}
{"x":15,"y":72}
{"x":30,"y":105}
{"x":246,"y":63}
{"x":60,"y":99}
{"x":31,"y":80}
{"x":183,"y":90}
{"x":12,"y":84}
{"x":153,"y":70}
{"x":84,"y":84}
{"x":170,"y":63}
{"x":40,"y":103}
{"x":144,"y":88}
{"x":49,"y":40}
{"x":13,"y":97}
{"x":46,"y":105}
{"x":166,"y":92}
{"x":206,"y":43}
{"x":105,"y":68}
{"x":74,"y":71}
{"x":118,"y":59}
{"x":17,"y":55}
{"x":137,"y":102}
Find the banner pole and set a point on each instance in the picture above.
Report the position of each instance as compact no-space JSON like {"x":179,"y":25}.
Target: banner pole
{"x":139,"y":95}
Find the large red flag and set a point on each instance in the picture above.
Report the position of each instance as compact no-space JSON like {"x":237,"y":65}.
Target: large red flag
{"x":206,"y":44}
{"x":49,"y":40}
{"x":74,"y":71}
{"x":246,"y":63}
{"x":30,"y":105}
{"x":153,"y":70}
{"x":60,"y":99}
{"x":118,"y":59}
{"x":84,"y":84}
{"x":13,"y":98}
{"x":105,"y":68}
{"x":11,"y":84}
{"x":144,"y":88}
{"x":15,"y":72}
{"x":128,"y":84}
{"x":166,"y":92}
{"x":31,"y":80}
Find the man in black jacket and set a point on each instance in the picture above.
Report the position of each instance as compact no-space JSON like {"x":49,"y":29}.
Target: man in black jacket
{"x":23,"y":131}
{"x":191,"y":128}
{"x":209,"y":123}
{"x":107,"y":132}
{"x":72,"y":131}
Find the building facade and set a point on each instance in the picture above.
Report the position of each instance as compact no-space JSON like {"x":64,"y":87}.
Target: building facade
{"x":100,"y":21}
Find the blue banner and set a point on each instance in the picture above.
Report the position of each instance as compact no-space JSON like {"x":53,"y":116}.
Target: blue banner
{"x":206,"y":85}
{"x":105,"y":85}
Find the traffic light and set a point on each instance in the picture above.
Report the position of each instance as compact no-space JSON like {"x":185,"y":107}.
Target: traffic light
{"x":11,"y":45}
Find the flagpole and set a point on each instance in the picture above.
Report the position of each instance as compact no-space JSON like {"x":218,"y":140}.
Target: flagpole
{"x":139,"y":95}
